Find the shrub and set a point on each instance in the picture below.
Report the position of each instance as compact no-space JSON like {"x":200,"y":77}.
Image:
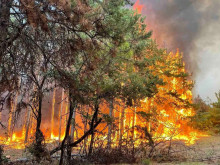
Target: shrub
{"x":146,"y":162}
{"x":112,"y":156}
{"x":39,"y":152}
{"x":3,"y":159}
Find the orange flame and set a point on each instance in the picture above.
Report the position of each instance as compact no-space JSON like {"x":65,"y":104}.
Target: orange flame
{"x":138,"y":7}
{"x":171,"y":120}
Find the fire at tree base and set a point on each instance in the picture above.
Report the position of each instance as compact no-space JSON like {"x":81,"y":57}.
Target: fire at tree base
{"x":163,"y":117}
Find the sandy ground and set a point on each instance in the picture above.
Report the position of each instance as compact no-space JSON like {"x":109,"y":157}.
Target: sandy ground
{"x":205,"y":151}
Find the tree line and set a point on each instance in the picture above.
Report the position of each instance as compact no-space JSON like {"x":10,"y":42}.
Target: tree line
{"x":95,"y":50}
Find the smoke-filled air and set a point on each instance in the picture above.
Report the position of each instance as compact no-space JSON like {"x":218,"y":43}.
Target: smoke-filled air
{"x":193,"y":28}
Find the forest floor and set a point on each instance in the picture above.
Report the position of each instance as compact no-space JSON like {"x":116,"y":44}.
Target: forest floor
{"x":206,"y":150}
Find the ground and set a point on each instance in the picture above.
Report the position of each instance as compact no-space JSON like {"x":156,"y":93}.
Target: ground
{"x":206,"y":150}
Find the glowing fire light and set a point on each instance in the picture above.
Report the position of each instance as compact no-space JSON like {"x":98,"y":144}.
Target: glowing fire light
{"x":171,"y":120}
{"x":138,"y":7}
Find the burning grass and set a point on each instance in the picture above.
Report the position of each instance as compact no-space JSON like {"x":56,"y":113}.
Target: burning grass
{"x":163,"y":117}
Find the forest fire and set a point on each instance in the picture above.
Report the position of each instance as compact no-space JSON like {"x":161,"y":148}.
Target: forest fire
{"x":163,"y":117}
{"x":97,"y":82}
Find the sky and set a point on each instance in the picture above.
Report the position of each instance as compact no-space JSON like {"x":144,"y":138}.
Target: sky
{"x":192,"y":26}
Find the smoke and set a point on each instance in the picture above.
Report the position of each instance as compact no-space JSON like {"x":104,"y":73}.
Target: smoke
{"x":193,"y":26}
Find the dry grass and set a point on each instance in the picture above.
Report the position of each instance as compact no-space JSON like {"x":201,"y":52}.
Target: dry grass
{"x":205,"y":151}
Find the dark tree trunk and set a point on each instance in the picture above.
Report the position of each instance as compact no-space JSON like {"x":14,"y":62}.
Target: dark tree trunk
{"x":110,"y":123}
{"x":149,"y":137}
{"x":94,"y":120}
{"x":151,"y":141}
{"x":61,"y":111}
{"x":39,"y":135}
{"x":27,"y":125}
{"x":71,"y":109}
{"x":69,"y":150}
{"x":91,"y":144}
{"x":85,"y":130}
{"x":133,"y":130}
{"x":74,"y":144}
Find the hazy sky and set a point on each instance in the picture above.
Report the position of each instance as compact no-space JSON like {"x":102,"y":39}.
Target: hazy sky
{"x":193,"y":26}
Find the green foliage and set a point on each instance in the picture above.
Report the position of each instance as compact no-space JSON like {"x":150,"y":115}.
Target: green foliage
{"x":144,"y":115}
{"x":115,"y":63}
{"x":1,"y":154}
{"x":38,"y":151}
{"x":146,"y":162}
{"x":207,"y":116}
{"x":3,"y":159}
{"x":108,"y":119}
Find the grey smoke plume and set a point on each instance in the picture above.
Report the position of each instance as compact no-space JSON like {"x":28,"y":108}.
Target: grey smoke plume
{"x":193,"y":26}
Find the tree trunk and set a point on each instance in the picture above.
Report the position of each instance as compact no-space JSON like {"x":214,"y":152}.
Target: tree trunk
{"x":73,"y":125}
{"x":61,"y":110}
{"x":38,"y":134}
{"x":94,"y":119}
{"x":27,"y":124}
{"x":52,"y":114}
{"x":110,"y":123}
{"x":74,"y":144}
{"x":121,"y":126}
{"x":91,"y":144}
{"x":133,"y":123}
{"x":39,"y":137}
{"x":11,"y":121}
{"x":151,"y":141}
{"x":10,"y":118}
{"x":71,"y":109}
{"x":71,"y":138}
{"x":133,"y":127}
{"x":85,"y":130}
